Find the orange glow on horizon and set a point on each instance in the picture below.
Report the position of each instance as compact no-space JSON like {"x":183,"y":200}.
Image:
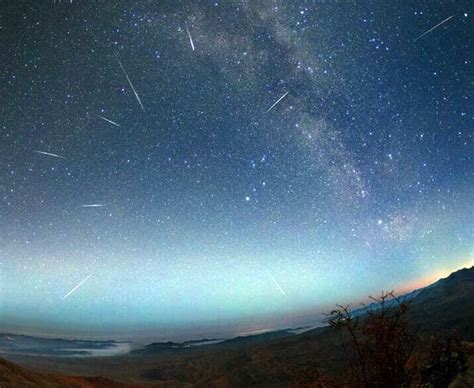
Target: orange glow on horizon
{"x":434,"y":276}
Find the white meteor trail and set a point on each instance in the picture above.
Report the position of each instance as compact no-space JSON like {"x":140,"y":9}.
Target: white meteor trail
{"x":276,"y":284}
{"x":190,"y":38}
{"x":276,"y":102}
{"x":131,"y":85}
{"x":433,"y":28}
{"x":50,"y":154}
{"x":108,"y":120}
{"x":75,"y":288}
{"x":94,"y":205}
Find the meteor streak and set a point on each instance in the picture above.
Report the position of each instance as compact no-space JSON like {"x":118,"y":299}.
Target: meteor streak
{"x":94,"y":205}
{"x":130,"y":83}
{"x":108,"y":120}
{"x":278,"y":286}
{"x":190,"y":38}
{"x":50,"y":154}
{"x":433,"y":28}
{"x":76,"y":287}
{"x":276,"y":102}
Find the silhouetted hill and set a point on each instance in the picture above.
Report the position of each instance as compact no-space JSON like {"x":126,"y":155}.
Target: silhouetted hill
{"x":258,"y":338}
{"x":447,"y":304}
{"x":454,"y":287}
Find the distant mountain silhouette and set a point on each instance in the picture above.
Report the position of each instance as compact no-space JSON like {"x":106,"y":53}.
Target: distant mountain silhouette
{"x":159,"y":347}
{"x":24,"y":344}
{"x":408,"y":297}
{"x":258,"y":338}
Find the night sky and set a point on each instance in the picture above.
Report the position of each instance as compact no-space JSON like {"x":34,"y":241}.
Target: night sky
{"x":148,"y":179}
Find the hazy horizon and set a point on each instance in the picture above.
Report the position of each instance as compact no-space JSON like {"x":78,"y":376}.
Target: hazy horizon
{"x":310,"y":318}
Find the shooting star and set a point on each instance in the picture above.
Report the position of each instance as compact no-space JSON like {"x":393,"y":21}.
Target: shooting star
{"x":108,"y":120}
{"x":190,"y":38}
{"x":76,"y":287}
{"x":276,"y":102}
{"x":50,"y":154}
{"x":276,"y":284}
{"x":94,"y":205}
{"x":130,"y":83}
{"x":433,"y":28}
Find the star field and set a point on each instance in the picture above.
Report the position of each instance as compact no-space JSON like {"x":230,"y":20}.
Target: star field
{"x":141,"y":150}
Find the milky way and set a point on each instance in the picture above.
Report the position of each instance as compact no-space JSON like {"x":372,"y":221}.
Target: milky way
{"x":237,"y":161}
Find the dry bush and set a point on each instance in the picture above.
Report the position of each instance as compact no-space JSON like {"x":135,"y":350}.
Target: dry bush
{"x":382,"y":353}
{"x":446,"y":358}
{"x":382,"y":343}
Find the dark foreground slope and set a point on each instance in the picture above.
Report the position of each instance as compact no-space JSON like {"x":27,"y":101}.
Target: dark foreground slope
{"x":275,"y":363}
{"x":266,"y":360}
{"x":12,"y":375}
